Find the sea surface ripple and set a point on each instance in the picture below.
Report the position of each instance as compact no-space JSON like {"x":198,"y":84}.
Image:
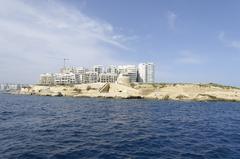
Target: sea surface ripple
{"x":33,"y":127}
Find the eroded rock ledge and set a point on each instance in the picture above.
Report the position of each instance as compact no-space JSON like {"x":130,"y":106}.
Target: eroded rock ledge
{"x":196,"y":92}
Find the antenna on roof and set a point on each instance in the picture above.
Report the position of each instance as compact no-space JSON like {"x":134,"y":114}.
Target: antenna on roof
{"x":64,"y":62}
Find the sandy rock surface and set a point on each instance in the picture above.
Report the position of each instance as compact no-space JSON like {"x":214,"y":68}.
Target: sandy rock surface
{"x":196,"y":92}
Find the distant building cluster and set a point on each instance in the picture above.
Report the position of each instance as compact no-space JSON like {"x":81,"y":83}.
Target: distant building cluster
{"x":144,"y":73}
{"x":9,"y":87}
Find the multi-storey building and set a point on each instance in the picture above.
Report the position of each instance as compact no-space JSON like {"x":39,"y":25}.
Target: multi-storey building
{"x":2,"y":86}
{"x":89,"y":77}
{"x":129,"y":70}
{"x":46,"y":79}
{"x":146,"y":72}
{"x":13,"y":86}
{"x":98,"y":69}
{"x":80,"y":70}
{"x":112,"y":69}
{"x":8,"y":87}
{"x":67,"y":70}
{"x":76,"y":75}
{"x":65,"y":78}
{"x":108,"y":77}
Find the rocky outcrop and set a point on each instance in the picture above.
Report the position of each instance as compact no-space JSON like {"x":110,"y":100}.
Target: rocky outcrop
{"x":196,"y":92}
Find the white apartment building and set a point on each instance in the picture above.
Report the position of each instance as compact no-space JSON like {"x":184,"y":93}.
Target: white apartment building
{"x":65,"y":78}
{"x":98,"y":69}
{"x":129,"y":70}
{"x":112,"y":69}
{"x":108,"y":77}
{"x":46,"y":79}
{"x":67,"y":70}
{"x":80,"y":70}
{"x":89,"y":77}
{"x":8,"y":86}
{"x":13,"y":86}
{"x":2,"y":86}
{"x":75,"y":75}
{"x":76,"y":70}
{"x":146,"y":73}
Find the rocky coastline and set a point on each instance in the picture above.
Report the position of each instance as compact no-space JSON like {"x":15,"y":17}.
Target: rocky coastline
{"x":161,"y":91}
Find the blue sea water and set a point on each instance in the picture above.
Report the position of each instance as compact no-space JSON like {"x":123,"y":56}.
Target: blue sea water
{"x":33,"y":127}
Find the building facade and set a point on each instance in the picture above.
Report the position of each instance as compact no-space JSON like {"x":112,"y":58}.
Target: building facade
{"x":64,"y":78}
{"x":2,"y":87}
{"x":67,"y":70}
{"x":80,"y":70}
{"x":146,"y":73}
{"x":98,"y":69}
{"x":129,"y":70}
{"x":108,"y":77}
{"x":89,"y":77}
{"x":112,"y":69}
{"x":46,"y":79}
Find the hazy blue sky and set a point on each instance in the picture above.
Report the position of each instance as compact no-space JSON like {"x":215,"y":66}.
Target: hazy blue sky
{"x":189,"y":41}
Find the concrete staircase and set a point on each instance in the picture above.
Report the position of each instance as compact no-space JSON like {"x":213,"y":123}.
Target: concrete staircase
{"x":105,"y":88}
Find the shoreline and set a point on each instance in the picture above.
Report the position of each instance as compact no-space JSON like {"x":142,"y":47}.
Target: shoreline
{"x":156,"y":91}
{"x":115,"y":98}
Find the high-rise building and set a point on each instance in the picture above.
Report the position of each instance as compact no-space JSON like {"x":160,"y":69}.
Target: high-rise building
{"x":146,"y":73}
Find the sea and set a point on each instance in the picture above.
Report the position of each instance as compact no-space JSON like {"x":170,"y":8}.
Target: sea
{"x":37,"y":127}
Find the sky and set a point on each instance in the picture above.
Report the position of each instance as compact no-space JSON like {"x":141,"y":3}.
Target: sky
{"x":188,"y":41}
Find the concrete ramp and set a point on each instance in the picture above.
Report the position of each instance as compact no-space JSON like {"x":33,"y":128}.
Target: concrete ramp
{"x":105,"y":88}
